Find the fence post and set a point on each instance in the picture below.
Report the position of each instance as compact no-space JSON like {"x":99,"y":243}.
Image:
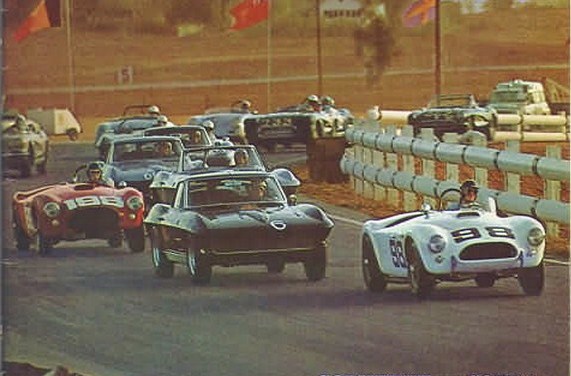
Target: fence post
{"x":452,"y":169}
{"x":512,"y":181}
{"x":368,"y":187}
{"x":380,"y":193}
{"x":392,"y":163}
{"x":409,"y":198}
{"x":480,"y":174}
{"x":553,"y":189}
{"x":428,"y":169}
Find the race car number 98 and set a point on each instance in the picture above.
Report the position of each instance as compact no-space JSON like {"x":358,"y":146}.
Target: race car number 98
{"x":81,"y":202}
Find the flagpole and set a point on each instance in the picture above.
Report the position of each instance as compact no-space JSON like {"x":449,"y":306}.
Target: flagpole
{"x":269,"y":57}
{"x":70,"y":55}
{"x":437,"y":49}
{"x":318,"y":22}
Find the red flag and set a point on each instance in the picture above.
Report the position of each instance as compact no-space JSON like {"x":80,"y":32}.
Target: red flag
{"x":46,"y":14}
{"x":248,"y":13}
{"x":419,"y":13}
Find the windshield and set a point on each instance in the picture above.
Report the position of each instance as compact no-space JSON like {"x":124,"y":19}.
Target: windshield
{"x":166,"y":150}
{"x":236,"y":157}
{"x":507,"y":97}
{"x":234,"y":190}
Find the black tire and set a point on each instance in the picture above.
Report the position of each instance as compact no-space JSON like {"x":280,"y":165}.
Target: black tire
{"x":136,"y":239}
{"x":374,"y":279}
{"x":276,"y":266}
{"x":532,"y":280}
{"x":421,"y":282}
{"x":315,"y":265}
{"x":27,"y":165}
{"x":43,"y":245}
{"x":22,"y":241}
{"x":485,"y":280}
{"x":116,"y":240}
{"x":164,"y":268}
{"x":198,"y":267}
{"x":72,"y":134}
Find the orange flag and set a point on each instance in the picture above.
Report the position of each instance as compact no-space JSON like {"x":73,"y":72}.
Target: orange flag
{"x":45,"y":15}
{"x":248,"y":13}
{"x":419,"y":13}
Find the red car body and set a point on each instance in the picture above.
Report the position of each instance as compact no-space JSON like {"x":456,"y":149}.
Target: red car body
{"x":75,"y":211}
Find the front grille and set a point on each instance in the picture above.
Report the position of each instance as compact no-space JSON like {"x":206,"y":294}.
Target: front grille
{"x":94,"y":221}
{"x":488,"y":251}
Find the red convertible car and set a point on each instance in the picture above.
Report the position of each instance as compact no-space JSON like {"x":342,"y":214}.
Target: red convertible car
{"x":75,"y":211}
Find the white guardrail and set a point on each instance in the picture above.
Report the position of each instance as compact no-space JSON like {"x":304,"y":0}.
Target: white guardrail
{"x":381,"y":164}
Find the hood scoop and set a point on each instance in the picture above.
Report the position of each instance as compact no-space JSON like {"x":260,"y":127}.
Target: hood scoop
{"x":468,"y":214}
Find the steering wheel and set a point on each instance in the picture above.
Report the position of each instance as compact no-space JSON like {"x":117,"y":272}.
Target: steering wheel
{"x":444,"y":193}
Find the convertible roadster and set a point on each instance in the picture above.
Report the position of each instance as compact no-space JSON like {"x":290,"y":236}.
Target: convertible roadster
{"x":135,"y":160}
{"x":473,"y":242}
{"x":217,"y":158}
{"x":454,"y":113}
{"x":74,"y":211}
{"x":230,"y":218}
{"x":296,"y":124}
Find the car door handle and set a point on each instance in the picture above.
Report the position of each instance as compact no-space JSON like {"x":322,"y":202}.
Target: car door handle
{"x":160,"y":218}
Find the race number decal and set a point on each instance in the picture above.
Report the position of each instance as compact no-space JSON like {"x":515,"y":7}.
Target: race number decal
{"x":500,"y":232}
{"x":397,"y":253}
{"x":465,"y":234}
{"x":86,"y":201}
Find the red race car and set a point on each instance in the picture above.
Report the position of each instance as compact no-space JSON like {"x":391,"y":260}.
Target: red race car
{"x":78,"y":210}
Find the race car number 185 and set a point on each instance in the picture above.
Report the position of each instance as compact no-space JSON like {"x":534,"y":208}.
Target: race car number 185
{"x":81,"y":202}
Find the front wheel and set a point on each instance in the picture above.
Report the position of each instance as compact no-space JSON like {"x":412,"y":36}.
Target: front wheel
{"x":136,"y":239}
{"x":316,"y":264}
{"x":164,"y":268}
{"x":43,"y":244}
{"x":421,"y":282}
{"x":22,"y":241}
{"x":198,"y":267}
{"x":532,"y":280}
{"x":374,"y":279}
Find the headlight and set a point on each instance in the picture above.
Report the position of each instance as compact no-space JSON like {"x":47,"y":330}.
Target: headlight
{"x":135,"y":203}
{"x":51,"y":209}
{"x":535,"y":237}
{"x":436,"y":243}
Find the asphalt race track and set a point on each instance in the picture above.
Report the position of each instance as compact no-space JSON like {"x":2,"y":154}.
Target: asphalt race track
{"x":101,"y":311}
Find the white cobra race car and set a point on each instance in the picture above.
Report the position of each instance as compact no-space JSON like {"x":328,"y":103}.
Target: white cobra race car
{"x":424,"y":247}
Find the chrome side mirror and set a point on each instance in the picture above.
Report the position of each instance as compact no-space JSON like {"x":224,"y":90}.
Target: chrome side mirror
{"x":122,"y":184}
{"x":426,"y":208}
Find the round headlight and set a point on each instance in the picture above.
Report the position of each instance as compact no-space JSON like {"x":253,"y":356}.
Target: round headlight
{"x":436,"y":243}
{"x":536,"y":236}
{"x":135,"y":203}
{"x":51,"y":209}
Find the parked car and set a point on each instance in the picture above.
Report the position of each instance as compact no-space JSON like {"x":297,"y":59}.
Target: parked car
{"x":230,"y":218}
{"x":216,"y":158}
{"x":192,"y":136}
{"x":454,"y":113}
{"x":134,"y":160}
{"x":76,"y":210}
{"x":25,"y":145}
{"x":519,"y":97}
{"x":425,"y":247}
{"x":296,"y":124}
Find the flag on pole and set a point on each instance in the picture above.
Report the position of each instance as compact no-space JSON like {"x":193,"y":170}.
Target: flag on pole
{"x":419,"y":13}
{"x":248,"y":13}
{"x":45,"y":15}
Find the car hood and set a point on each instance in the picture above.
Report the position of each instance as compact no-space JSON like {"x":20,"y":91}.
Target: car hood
{"x":66,"y":191}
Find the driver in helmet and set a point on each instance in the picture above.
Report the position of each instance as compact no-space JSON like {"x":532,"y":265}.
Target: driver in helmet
{"x":241,"y":158}
{"x":468,"y":192}
{"x":154,"y":111}
{"x":312,"y":103}
{"x":162,"y":121}
{"x":245,"y":106}
{"x":327,"y":102}
{"x":94,"y":174}
{"x":209,"y":126}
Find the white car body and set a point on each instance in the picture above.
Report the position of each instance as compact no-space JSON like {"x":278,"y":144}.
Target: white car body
{"x":465,"y":243}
